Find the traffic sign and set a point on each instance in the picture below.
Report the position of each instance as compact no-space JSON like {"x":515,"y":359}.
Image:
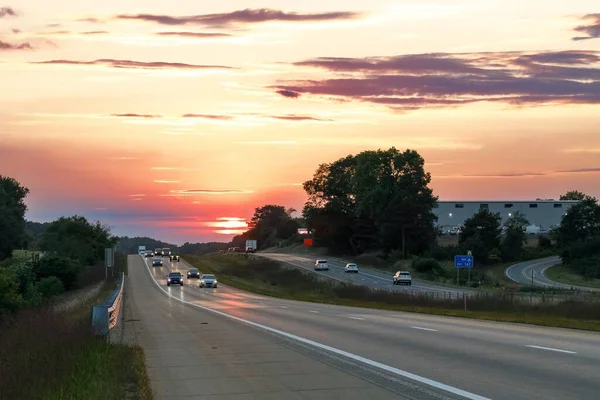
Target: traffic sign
{"x":463,"y":262}
{"x":469,"y":253}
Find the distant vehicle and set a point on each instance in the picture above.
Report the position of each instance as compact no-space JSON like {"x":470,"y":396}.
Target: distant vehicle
{"x":250,"y":250}
{"x":157,"y":262}
{"x":141,"y":249}
{"x":174,"y":278}
{"x":149,"y":253}
{"x":158,"y":252}
{"x":193,"y":273}
{"x":166,"y":252}
{"x":174,"y":257}
{"x":208,"y":281}
{"x":533,"y":229}
{"x":350,"y":267}
{"x":402,"y":278}
{"x":321,"y":265}
{"x":251,"y":246}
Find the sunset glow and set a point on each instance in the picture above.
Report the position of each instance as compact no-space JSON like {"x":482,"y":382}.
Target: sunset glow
{"x":177,"y":119}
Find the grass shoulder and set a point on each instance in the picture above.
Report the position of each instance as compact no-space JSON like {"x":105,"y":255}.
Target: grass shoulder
{"x":267,"y":277}
{"x":563,"y":274}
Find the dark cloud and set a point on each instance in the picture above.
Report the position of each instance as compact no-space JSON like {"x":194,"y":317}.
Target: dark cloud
{"x":7,"y":12}
{"x":198,"y":35}
{"x":415,"y":81}
{"x":289,"y":93}
{"x":94,"y":33}
{"x":208,"y":116}
{"x":133,"y":115}
{"x":209,"y":191}
{"x":90,"y":20}
{"x":579,"y":171}
{"x":591,"y":29}
{"x":241,"y":17}
{"x":16,"y":31}
{"x":135,"y":64}
{"x":63,"y":32}
{"x":4,"y":46}
{"x":507,"y":175}
{"x":293,"y":117}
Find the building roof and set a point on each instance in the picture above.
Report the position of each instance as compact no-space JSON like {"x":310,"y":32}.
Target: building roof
{"x":508,"y":201}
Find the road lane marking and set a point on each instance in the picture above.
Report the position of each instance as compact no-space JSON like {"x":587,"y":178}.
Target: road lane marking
{"x":424,"y":329}
{"x":313,"y":311}
{"x":550,"y":349}
{"x":357,"y":318}
{"x":369,"y":362}
{"x":283,"y":307}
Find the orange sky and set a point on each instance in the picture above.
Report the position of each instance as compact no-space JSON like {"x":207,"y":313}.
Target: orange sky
{"x":177,"y":120}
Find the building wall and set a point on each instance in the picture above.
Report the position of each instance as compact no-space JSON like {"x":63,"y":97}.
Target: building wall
{"x":542,"y":213}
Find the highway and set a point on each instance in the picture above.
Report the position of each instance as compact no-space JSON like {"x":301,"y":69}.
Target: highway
{"x":409,"y":355}
{"x":366,"y":277}
{"x":522,"y":273}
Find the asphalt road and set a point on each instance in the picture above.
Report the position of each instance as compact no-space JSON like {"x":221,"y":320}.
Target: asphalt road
{"x":366,"y":277}
{"x":522,"y":273}
{"x":486,"y":359}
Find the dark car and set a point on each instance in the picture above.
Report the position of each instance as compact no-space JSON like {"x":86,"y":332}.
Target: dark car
{"x":158,"y":252}
{"x":208,"y":281}
{"x":193,"y":273}
{"x":149,"y":253}
{"x":166,"y":252}
{"x":174,"y":278}
{"x":157,"y":262}
{"x":174,"y":257}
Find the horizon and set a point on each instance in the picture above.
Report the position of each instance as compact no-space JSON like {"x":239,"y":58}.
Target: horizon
{"x":178,"y":120}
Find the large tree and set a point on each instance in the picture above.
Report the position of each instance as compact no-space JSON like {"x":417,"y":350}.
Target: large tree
{"x":76,"y":238}
{"x":269,"y":223}
{"x":375,"y":199}
{"x":581,"y":222}
{"x":12,"y":215}
{"x":481,"y":234}
{"x":515,"y":236}
{"x":573,"y":195}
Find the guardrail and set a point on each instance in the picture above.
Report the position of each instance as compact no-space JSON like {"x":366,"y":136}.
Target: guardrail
{"x":104,"y":316}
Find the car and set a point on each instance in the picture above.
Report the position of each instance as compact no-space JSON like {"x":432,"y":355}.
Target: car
{"x":193,"y":273}
{"x":174,"y":257}
{"x":402,"y":278}
{"x":350,"y":267}
{"x":149,"y":253}
{"x":250,"y":250}
{"x":208,"y":281}
{"x":321,"y":265}
{"x":157,"y":262}
{"x":174,"y":278}
{"x":166,"y":252}
{"x":158,"y":252}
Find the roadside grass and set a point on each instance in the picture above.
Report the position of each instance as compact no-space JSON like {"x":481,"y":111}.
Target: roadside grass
{"x":24,"y":255}
{"x":55,"y":355}
{"x":563,"y":274}
{"x":449,"y":240}
{"x":267,"y":277}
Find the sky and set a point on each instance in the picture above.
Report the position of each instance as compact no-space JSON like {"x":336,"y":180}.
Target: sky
{"x":177,"y":119}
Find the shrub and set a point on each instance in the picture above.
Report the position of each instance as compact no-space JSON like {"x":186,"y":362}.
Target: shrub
{"x":544,"y":242}
{"x":63,"y":268}
{"x":428,"y":266}
{"x":50,"y":286}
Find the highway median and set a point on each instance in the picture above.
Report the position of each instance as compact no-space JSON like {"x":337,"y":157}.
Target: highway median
{"x":270,"y":278}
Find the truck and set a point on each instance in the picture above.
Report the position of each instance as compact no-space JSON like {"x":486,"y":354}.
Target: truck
{"x":251,"y":246}
{"x":142,"y":250}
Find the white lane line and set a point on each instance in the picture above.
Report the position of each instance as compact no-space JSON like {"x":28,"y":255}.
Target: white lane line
{"x":357,"y":318}
{"x":283,"y":307}
{"x":424,"y":329}
{"x":372,"y":363}
{"x":313,"y":311}
{"x":550,"y":349}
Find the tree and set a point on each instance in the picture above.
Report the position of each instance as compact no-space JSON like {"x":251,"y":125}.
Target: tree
{"x":76,"y":238}
{"x":515,"y":236}
{"x":573,"y":195}
{"x":481,"y":234}
{"x":271,"y":222}
{"x":581,"y":223}
{"x":12,"y":212}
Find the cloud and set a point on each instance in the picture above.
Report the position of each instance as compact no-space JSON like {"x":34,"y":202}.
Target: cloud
{"x":583,"y":150}
{"x":522,"y":174}
{"x":90,"y":20}
{"x":293,"y":117}
{"x":16,"y":31}
{"x":591,"y":30}
{"x":191,"y":192}
{"x":5,"y":46}
{"x":268,"y":142}
{"x":416,"y":81}
{"x":133,"y":115}
{"x":129,"y":64}
{"x":241,"y":17}
{"x":94,"y":33}
{"x":7,"y":12}
{"x":208,"y":116}
{"x":579,"y":171}
{"x":198,"y":35}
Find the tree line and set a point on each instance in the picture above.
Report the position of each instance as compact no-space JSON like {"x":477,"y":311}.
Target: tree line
{"x":130,"y":245}
{"x":72,"y":249}
{"x":380,"y":201}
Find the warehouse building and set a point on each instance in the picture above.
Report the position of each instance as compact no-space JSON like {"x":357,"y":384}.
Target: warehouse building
{"x":543,"y":213}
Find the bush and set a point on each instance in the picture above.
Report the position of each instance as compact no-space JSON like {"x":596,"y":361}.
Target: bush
{"x":444,"y":253}
{"x":50,"y":286}
{"x":544,"y":242}
{"x":428,"y":266}
{"x":63,"y":268}
{"x":10,"y":298}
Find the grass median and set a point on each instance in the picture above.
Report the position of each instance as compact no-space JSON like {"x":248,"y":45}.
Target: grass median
{"x":563,"y":274}
{"x":270,"y":278}
{"x":54,"y":355}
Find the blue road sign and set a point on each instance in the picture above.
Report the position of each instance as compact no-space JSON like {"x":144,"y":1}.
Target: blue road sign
{"x":463,"y":261}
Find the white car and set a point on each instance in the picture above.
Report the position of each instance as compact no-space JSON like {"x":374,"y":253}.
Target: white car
{"x":402,"y":278}
{"x":350,"y":267}
{"x":321,"y":265}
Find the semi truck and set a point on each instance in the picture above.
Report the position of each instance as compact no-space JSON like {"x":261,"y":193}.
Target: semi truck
{"x":142,"y":250}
